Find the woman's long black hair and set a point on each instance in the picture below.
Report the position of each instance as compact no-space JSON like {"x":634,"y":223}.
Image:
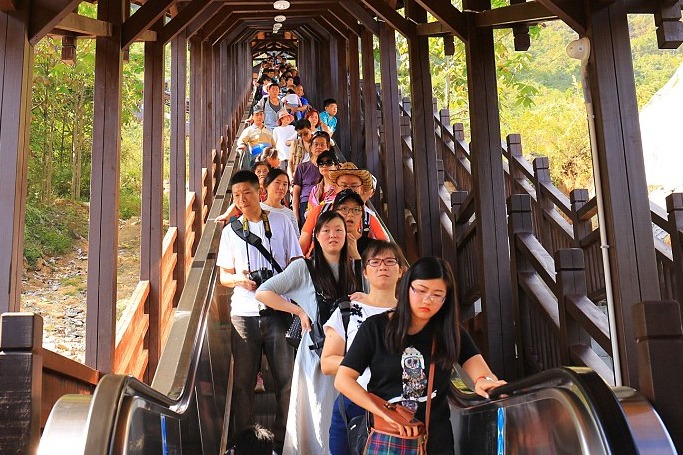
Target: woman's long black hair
{"x":323,"y":278}
{"x":445,"y":322}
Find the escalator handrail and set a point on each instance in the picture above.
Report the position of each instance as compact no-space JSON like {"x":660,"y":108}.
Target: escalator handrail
{"x":173,"y":384}
{"x":599,"y":401}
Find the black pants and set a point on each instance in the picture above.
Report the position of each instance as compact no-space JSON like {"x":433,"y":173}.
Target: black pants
{"x":251,"y":337}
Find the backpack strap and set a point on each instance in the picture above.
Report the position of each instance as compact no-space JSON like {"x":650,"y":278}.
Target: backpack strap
{"x":365,"y":230}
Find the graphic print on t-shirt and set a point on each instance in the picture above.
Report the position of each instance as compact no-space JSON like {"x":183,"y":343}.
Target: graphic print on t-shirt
{"x":414,"y":377}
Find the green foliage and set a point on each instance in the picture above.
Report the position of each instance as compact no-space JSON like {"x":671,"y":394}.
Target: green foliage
{"x":52,"y":230}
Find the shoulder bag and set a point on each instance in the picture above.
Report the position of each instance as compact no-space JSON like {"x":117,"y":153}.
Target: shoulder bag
{"x":385,"y":440}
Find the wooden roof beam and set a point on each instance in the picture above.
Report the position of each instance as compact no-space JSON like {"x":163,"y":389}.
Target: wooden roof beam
{"x":45,"y":15}
{"x":182,"y":19}
{"x":82,"y":25}
{"x":347,"y":19}
{"x":569,"y":11}
{"x":391,"y":17}
{"x":7,"y":6}
{"x":451,"y":17}
{"x":217,"y":23}
{"x":362,"y":15}
{"x":335,"y":24}
{"x":202,"y":18}
{"x":433,"y":29}
{"x":521,"y":13}
{"x":142,"y":19}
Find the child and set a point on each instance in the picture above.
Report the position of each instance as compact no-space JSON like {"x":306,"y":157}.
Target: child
{"x":328,"y":121}
{"x":282,"y":134}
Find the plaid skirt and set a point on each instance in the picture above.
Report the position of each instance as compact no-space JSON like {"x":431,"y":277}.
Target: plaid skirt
{"x":388,"y":444}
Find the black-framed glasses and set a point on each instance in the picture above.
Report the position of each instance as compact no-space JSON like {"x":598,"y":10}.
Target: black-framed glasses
{"x":376,"y":262}
{"x":354,"y":210}
{"x":327,"y":163}
{"x":424,"y":295}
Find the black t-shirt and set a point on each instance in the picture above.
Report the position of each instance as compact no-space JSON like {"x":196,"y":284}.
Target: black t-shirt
{"x":403,"y":377}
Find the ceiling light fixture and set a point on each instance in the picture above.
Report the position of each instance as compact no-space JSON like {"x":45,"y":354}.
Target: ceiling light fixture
{"x":280,"y":18}
{"x":281,"y":5}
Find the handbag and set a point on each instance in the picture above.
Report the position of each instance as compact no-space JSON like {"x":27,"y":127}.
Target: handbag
{"x":384,"y":439}
{"x":293,"y":335}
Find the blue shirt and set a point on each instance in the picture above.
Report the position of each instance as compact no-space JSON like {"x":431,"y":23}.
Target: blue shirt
{"x":329,"y":120}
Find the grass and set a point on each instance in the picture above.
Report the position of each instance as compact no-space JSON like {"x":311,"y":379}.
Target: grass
{"x":52,"y":230}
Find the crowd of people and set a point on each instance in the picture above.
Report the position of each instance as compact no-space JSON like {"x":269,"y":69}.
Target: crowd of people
{"x":302,"y":251}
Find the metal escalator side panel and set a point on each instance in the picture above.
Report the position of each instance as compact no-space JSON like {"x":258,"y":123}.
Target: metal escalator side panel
{"x":145,"y":427}
{"x":552,"y":420}
{"x":649,"y":432}
{"x":103,"y":414}
{"x":65,"y":427}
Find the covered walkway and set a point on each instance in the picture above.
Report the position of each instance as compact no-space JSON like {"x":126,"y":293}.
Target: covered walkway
{"x":527,"y":257}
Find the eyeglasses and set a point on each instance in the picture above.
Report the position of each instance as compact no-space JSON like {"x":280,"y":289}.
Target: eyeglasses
{"x":326,"y":163}
{"x":376,"y":262}
{"x":424,"y":295}
{"x":354,"y":210}
{"x":344,"y":186}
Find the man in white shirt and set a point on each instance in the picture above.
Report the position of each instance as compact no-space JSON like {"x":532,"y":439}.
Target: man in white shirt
{"x":254,"y":138}
{"x":243,"y":267}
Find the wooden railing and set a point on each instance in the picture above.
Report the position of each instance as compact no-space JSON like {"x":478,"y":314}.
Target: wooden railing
{"x":62,"y":375}
{"x":558,"y":323}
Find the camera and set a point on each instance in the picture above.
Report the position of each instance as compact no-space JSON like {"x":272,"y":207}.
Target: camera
{"x":260,"y":275}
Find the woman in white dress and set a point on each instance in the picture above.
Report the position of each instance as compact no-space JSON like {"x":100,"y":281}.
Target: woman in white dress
{"x":330,"y":275}
{"x":382,"y":269}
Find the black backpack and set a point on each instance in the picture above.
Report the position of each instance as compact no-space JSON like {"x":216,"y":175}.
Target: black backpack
{"x":325,"y":308}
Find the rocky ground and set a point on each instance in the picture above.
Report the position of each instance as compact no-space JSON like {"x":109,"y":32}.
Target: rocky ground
{"x":56,"y":289}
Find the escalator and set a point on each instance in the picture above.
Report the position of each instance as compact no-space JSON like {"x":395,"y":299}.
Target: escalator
{"x":186,"y":409}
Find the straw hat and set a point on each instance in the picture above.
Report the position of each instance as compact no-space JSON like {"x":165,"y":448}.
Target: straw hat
{"x":349,"y":168}
{"x":284,"y":113}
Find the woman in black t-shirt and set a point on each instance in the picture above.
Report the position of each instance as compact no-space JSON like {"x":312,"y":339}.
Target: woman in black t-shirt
{"x":397,"y":347}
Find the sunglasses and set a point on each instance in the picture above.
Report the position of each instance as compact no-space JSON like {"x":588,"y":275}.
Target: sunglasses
{"x":327,"y":163}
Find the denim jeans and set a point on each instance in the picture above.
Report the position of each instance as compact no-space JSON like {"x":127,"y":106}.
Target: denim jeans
{"x":251,"y":337}
{"x":339,"y":443}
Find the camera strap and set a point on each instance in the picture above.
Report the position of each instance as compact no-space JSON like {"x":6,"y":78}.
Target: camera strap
{"x":241,"y":228}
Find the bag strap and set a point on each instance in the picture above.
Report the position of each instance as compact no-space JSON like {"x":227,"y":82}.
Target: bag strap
{"x":430,"y":388}
{"x":255,"y":241}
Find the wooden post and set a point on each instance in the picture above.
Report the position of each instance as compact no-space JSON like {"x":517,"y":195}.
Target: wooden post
{"x":355,"y":115}
{"x":343,"y":133}
{"x":622,"y":172}
{"x":371,"y":146}
{"x":152,"y":196}
{"x":659,"y":342}
{"x":196,"y":128}
{"x":178,"y":174}
{"x":570,"y":280}
{"x":16,"y":79}
{"x":209,"y":141}
{"x":578,"y":198}
{"x":424,"y":144}
{"x":520,"y":221}
{"x":674,"y":206}
{"x":458,"y":199}
{"x":489,"y":186}
{"x":21,"y":377}
{"x":542,"y":175}
{"x":392,"y":179}
{"x":103,"y":237}
{"x":514,"y":144}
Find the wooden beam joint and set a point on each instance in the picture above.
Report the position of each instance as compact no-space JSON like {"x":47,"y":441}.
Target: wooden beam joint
{"x":669,"y":25}
{"x":7,"y":6}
